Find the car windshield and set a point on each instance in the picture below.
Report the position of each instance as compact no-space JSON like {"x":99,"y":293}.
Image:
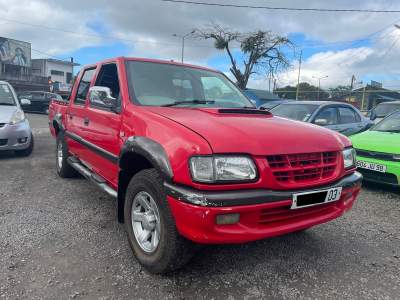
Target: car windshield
{"x":384,"y":109}
{"x":158,"y":84}
{"x":389,"y":124}
{"x":6,"y":95}
{"x":299,"y":112}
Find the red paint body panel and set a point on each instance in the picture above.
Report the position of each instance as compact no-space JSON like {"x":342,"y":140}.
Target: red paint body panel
{"x":185,"y":132}
{"x":256,"y":221}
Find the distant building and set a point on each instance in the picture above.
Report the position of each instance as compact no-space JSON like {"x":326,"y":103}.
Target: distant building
{"x":59,"y":71}
{"x":26,"y":74}
{"x":15,"y":66}
{"x":371,"y":95}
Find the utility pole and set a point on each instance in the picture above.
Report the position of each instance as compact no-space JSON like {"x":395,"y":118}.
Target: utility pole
{"x":298,"y":76}
{"x":353,"y":79}
{"x":319,"y":83}
{"x":183,"y":37}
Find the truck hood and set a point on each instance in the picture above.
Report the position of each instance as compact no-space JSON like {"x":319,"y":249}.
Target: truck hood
{"x":6,"y":113}
{"x":233,"y":132}
{"x":377,"y":141}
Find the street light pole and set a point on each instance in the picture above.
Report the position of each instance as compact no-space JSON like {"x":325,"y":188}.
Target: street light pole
{"x":319,"y":83}
{"x":183,"y":42}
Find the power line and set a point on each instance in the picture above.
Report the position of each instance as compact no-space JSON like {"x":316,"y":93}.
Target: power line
{"x":284,"y":8}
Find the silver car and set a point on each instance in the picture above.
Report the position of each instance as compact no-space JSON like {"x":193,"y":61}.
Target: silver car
{"x":15,"y":132}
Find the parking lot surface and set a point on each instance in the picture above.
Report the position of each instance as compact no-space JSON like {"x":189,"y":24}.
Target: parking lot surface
{"x":60,"y":239}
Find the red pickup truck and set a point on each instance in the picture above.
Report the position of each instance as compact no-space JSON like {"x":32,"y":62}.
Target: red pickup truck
{"x":191,"y":161}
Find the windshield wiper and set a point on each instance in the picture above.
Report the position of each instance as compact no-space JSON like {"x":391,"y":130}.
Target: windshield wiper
{"x":195,"y":101}
{"x":7,"y":104}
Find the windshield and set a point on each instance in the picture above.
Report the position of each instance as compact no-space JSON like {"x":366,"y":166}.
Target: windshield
{"x":6,"y":95}
{"x":157,"y":84}
{"x":299,"y":112}
{"x":390,"y":124}
{"x":384,"y":109}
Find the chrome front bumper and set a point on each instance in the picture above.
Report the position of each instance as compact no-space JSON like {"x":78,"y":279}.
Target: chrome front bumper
{"x":12,"y":137}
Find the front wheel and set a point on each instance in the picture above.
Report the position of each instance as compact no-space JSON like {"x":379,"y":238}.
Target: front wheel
{"x":150,"y":227}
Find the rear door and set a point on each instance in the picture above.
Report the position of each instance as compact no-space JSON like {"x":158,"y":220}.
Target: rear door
{"x":103,"y":126}
{"x":76,"y":115}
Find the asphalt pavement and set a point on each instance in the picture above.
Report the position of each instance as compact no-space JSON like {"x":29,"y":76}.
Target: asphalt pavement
{"x":60,"y":239}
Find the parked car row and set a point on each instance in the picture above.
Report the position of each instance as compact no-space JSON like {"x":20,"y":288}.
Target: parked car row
{"x":39,"y":101}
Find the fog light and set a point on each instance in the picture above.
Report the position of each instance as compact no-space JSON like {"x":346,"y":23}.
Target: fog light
{"x":22,"y":140}
{"x":227,"y":219}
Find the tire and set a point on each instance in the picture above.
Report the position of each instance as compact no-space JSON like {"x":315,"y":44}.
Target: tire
{"x":28,"y":151}
{"x":64,"y":169}
{"x":172,"y":251}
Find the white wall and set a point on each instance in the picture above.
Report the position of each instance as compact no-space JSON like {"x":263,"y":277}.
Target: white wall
{"x":58,"y":67}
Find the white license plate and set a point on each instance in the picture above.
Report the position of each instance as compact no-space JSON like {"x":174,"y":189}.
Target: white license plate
{"x":307,"y":199}
{"x":371,"y":166}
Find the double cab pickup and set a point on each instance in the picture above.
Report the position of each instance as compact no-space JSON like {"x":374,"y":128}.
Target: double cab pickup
{"x":191,"y":161}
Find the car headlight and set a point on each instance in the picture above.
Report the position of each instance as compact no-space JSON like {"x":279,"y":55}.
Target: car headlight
{"x":349,"y":158}
{"x":222,"y":168}
{"x":17,"y":116}
{"x":396,"y":156}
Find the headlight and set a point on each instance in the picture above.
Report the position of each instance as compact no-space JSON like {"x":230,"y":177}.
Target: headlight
{"x":17,"y":116}
{"x":222,"y":168}
{"x":349,"y":158}
{"x":396,"y":156}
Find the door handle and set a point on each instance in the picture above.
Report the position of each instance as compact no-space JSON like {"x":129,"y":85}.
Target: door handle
{"x":86,"y":121}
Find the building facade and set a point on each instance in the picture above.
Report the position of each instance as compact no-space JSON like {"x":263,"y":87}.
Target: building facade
{"x":58,"y":71}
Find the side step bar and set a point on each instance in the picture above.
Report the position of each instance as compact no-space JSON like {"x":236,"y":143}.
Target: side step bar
{"x":88,"y":174}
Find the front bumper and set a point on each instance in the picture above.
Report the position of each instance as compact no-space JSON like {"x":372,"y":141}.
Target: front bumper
{"x":263,"y":213}
{"x":11,"y":135}
{"x":391,"y":177}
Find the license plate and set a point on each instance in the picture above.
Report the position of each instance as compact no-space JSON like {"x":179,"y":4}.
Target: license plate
{"x":371,"y":166}
{"x":316,"y":197}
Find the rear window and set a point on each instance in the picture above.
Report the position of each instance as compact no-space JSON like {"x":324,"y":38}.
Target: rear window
{"x":299,"y":112}
{"x":6,"y":95}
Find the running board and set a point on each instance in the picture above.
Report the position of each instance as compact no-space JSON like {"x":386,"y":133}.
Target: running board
{"x":94,"y":178}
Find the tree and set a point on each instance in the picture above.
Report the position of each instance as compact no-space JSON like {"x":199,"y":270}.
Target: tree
{"x":340,"y":91}
{"x":306,"y":92}
{"x":262,"y":51}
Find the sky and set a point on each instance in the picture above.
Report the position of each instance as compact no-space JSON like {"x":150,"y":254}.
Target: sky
{"x":337,"y":45}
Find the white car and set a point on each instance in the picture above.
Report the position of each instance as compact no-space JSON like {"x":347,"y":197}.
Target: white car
{"x":15,"y":132}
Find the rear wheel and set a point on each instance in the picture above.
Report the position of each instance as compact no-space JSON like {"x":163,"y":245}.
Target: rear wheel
{"x":150,"y":227}
{"x":28,"y":151}
{"x":64,"y":169}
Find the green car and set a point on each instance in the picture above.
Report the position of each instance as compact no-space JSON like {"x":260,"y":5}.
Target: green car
{"x":378,"y":151}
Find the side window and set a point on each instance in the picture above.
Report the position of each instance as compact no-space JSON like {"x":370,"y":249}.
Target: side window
{"x":329,"y":114}
{"x":108,"y":77}
{"x":348,"y":115}
{"x":83,"y":87}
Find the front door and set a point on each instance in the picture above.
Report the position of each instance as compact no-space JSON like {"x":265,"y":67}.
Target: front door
{"x":103,"y":128}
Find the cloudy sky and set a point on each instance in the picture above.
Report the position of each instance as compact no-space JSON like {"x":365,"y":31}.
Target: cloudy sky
{"x":336,"y":45}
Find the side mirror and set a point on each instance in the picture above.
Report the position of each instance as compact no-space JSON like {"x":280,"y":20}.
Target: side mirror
{"x":321,"y":122}
{"x":372,"y":115}
{"x":102,"y":96}
{"x":24,"y":102}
